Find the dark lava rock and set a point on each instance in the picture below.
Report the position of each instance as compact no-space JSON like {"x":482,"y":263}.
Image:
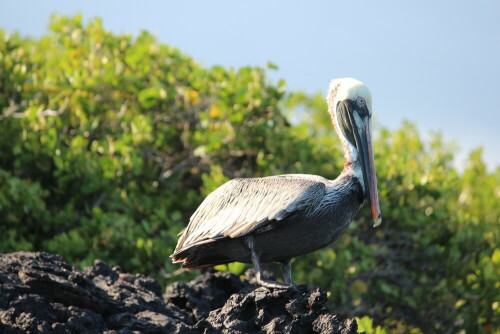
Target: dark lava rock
{"x":41,"y":293}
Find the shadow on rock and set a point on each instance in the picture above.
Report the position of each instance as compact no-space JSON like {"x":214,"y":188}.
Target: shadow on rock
{"x":41,"y":293}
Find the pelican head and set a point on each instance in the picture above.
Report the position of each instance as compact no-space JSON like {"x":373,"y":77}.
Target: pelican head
{"x":350,"y":106}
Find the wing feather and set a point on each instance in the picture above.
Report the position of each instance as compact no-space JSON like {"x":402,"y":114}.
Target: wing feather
{"x":241,"y":206}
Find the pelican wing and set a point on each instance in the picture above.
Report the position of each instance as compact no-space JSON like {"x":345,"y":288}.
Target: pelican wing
{"x":241,"y":206}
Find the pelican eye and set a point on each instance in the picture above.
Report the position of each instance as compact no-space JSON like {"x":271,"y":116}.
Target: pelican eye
{"x":360,"y":102}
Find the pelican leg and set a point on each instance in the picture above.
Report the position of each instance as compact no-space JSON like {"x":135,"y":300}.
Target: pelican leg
{"x":256,"y":263}
{"x":287,"y":272}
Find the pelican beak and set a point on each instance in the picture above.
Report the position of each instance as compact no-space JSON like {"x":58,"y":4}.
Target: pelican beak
{"x":365,"y":149}
{"x":357,"y":130}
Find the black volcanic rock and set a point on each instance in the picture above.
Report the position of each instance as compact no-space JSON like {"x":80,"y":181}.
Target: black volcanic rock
{"x":41,"y":293}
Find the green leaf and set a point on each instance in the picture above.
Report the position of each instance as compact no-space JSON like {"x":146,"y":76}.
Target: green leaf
{"x":150,"y":97}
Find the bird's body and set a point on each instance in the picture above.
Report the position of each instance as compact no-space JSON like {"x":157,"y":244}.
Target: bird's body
{"x":276,"y":218}
{"x":289,"y":207}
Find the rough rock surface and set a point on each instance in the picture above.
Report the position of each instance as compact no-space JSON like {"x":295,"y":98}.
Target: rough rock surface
{"x":41,"y":293}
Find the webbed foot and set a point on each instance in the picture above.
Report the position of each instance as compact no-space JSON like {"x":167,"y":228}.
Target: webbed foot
{"x":271,"y":284}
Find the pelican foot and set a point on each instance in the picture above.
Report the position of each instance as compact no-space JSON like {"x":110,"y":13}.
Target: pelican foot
{"x":256,"y":263}
{"x":272,"y":284}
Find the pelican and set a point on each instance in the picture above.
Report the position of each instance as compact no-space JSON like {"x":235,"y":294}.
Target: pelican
{"x":276,"y":218}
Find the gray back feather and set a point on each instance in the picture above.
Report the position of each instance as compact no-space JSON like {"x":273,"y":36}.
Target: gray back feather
{"x":241,"y":206}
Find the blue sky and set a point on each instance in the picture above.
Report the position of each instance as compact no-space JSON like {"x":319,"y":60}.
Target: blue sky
{"x":435,"y":63}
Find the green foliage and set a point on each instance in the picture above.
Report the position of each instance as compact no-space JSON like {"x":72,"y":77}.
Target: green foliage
{"x":109,"y":142}
{"x":365,"y":325}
